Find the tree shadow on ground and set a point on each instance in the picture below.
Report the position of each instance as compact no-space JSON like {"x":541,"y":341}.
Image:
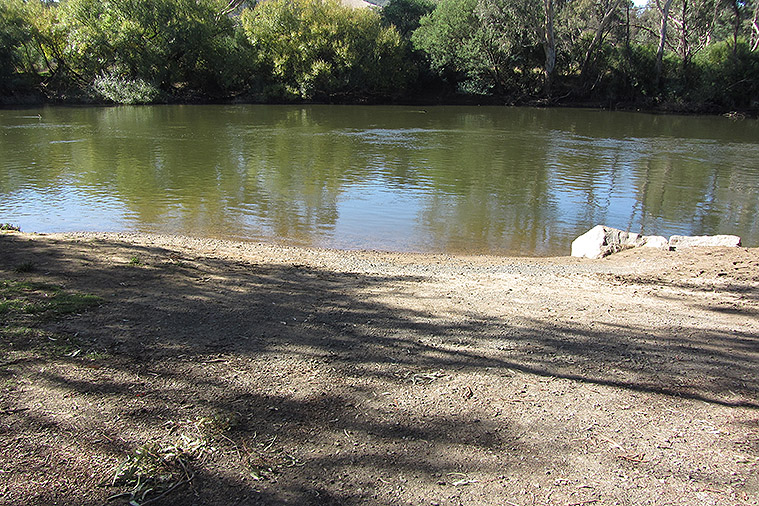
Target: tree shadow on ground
{"x":317,"y":367}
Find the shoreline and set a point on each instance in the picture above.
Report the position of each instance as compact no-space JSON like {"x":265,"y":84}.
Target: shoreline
{"x":661,"y":110}
{"x":265,"y":374}
{"x":358,"y":260}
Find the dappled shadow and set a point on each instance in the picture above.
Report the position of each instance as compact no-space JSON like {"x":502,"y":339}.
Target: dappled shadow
{"x":727,"y":271}
{"x":322,"y":369}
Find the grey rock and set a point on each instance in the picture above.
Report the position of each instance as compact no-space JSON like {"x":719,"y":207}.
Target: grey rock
{"x":686,"y":241}
{"x":601,"y":241}
{"x":654,"y":241}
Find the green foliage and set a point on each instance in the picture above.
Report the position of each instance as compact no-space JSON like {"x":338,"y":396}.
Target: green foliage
{"x":445,"y":34}
{"x":483,"y":45}
{"x":14,"y":34}
{"x":143,"y":51}
{"x":625,"y":74}
{"x":182,"y":47}
{"x":728,"y":76}
{"x":43,"y":53}
{"x":405,"y":15}
{"x":124,"y":91}
{"x":322,"y":50}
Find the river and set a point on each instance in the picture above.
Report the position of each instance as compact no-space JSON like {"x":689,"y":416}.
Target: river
{"x":481,"y":180}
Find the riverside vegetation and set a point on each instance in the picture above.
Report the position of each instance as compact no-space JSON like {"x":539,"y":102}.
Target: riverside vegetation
{"x":687,"y":55}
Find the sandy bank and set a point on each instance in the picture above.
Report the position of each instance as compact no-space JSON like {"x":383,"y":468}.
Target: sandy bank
{"x":383,"y":378}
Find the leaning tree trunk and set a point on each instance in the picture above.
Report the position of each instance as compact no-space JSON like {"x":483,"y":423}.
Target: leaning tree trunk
{"x":549,"y":46}
{"x":598,"y":37}
{"x":662,"y":38}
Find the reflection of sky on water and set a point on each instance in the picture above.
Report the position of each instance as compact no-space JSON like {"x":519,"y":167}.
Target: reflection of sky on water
{"x":374,"y":217}
{"x":64,"y":209}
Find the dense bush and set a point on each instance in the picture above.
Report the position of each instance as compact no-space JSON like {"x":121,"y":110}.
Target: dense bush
{"x":322,"y":50}
{"x":728,"y":76}
{"x":485,"y":46}
{"x":14,"y":33}
{"x":405,"y":15}
{"x":122,"y":90}
{"x":182,"y":47}
{"x":605,"y":51}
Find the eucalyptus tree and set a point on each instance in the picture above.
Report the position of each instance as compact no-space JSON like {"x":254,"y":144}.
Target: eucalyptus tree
{"x":486,"y":45}
{"x":754,"y":26}
{"x":608,"y":12}
{"x":664,"y":20}
{"x":695,"y":24}
{"x":13,"y":36}
{"x":594,"y":38}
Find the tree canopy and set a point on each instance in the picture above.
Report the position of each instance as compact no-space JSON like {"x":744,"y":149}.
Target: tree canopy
{"x":681,"y":54}
{"x":321,"y":49}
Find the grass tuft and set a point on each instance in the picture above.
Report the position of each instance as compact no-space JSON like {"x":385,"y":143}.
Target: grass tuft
{"x":18,"y":298}
{"x":24,"y":305}
{"x":25,"y":267}
{"x":153,"y":472}
{"x":216,"y":425}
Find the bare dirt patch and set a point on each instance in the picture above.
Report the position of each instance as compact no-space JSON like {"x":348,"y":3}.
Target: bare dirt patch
{"x":213,"y":372}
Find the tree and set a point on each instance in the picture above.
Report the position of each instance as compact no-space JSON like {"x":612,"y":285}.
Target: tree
{"x":484,"y":45}
{"x":664,"y":10}
{"x":322,"y":50}
{"x":610,"y":9}
{"x":755,"y":27}
{"x":13,"y":35}
{"x":694,"y":23}
{"x":549,"y":44}
{"x":177,"y":47}
{"x":406,"y":14}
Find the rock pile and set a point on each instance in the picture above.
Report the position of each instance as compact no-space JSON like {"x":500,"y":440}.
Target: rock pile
{"x":601,"y":241}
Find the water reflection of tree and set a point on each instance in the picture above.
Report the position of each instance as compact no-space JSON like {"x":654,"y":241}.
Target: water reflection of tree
{"x":217,"y":173}
{"x":702,"y":187}
{"x":492,"y":190}
{"x":501,"y":179}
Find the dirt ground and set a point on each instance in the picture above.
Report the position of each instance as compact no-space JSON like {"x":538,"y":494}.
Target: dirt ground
{"x":260,"y":374}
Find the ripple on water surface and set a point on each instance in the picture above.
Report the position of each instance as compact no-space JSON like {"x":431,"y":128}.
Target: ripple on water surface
{"x":484,"y":179}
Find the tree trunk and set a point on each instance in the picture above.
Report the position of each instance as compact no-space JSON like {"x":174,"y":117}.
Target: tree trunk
{"x":549,"y":45}
{"x":598,"y":37}
{"x":755,"y":27}
{"x":736,"y":25}
{"x":662,"y":38}
{"x":627,"y":27}
{"x":684,"y":40}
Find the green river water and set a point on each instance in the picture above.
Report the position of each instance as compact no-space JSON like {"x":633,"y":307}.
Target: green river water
{"x":490,"y":180}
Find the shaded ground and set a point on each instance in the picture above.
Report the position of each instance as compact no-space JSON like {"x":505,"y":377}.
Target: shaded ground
{"x":291,"y":376}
